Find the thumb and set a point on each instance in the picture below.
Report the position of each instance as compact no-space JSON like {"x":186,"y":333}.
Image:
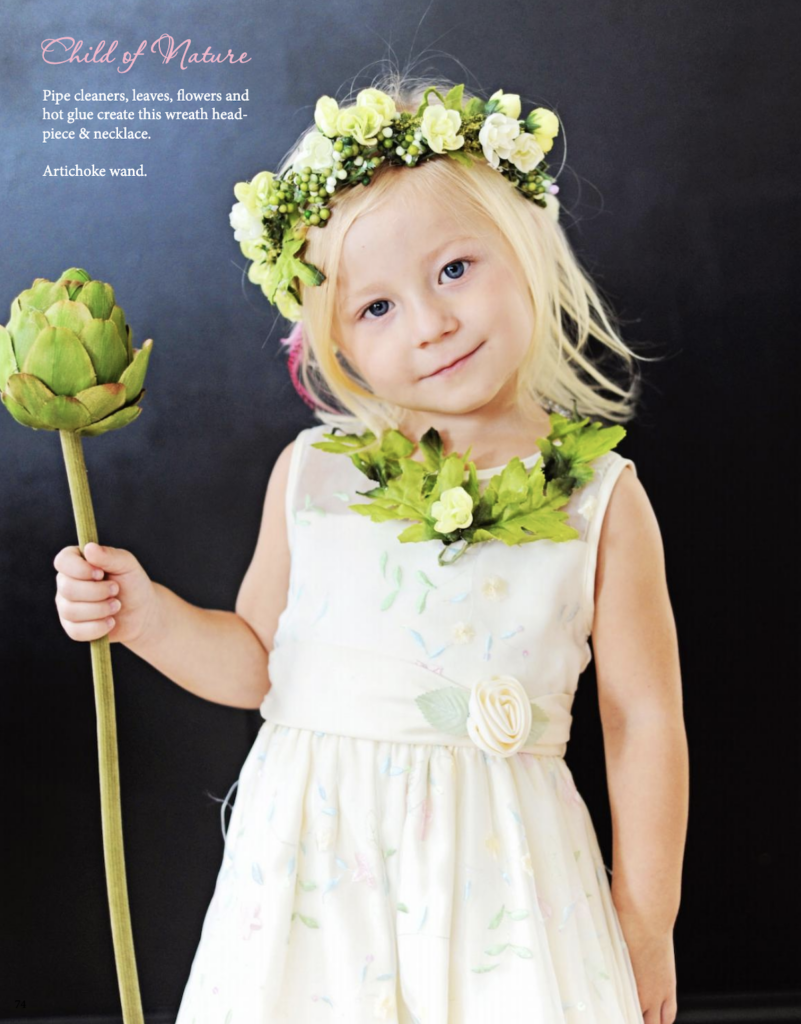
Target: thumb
{"x":112,"y":559}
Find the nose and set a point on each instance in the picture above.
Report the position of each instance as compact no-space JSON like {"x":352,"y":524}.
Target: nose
{"x":433,"y":318}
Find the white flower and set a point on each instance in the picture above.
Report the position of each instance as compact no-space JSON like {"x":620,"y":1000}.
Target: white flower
{"x":247,"y":227}
{"x":440,"y":127}
{"x":588,"y":506}
{"x":497,"y":137}
{"x":325,"y":115}
{"x":499,"y":715}
{"x":494,"y":588}
{"x":526,"y":152}
{"x":453,"y":510}
{"x":463,"y":633}
{"x":316,"y":151}
{"x":508,"y":103}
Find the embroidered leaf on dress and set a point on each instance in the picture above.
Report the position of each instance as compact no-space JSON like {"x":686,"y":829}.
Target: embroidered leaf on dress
{"x":446,"y":709}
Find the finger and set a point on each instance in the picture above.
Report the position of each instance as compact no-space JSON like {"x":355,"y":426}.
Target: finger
{"x":85,"y":590}
{"x":85,"y":611}
{"x":89,"y":630}
{"x":71,"y":562}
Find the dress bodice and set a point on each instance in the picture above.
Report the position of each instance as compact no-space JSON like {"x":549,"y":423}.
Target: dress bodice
{"x":525,"y":610}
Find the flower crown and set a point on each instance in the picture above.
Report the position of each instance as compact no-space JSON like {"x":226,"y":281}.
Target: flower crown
{"x":272,"y":214}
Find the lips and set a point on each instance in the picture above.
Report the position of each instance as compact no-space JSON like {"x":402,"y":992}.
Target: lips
{"x":461,"y":359}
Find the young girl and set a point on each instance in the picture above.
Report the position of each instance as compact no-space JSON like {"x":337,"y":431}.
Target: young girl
{"x":407,"y":842}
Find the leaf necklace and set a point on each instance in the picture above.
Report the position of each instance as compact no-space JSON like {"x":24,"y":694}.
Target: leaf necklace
{"x":518,"y":505}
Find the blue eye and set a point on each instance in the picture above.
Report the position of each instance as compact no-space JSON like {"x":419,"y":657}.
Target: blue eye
{"x":379,"y":302}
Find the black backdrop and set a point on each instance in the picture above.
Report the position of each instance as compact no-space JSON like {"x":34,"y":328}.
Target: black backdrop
{"x":680,"y":190}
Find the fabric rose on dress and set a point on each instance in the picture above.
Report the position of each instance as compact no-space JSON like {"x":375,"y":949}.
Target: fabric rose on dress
{"x":453,"y":510}
{"x":499,"y":715}
{"x":440,"y":126}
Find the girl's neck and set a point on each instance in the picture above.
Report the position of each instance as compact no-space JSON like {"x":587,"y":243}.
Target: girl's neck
{"x":494,"y":441}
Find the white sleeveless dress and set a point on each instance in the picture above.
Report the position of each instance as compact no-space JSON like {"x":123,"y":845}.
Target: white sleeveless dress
{"x":378,"y":867}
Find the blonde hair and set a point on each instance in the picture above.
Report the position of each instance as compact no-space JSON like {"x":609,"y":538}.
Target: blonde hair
{"x":569,"y":309}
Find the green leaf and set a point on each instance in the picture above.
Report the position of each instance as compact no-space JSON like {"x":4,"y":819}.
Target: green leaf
{"x":460,"y":157}
{"x":310,"y":922}
{"x":453,"y":100}
{"x":59,"y":360}
{"x":498,"y":917}
{"x":497,"y":950}
{"x":539,"y":723}
{"x":431,"y":447}
{"x":418,"y":532}
{"x":446,"y":709}
{"x":102,"y":341}
{"x":483,"y":970}
{"x":474,"y":107}
{"x":522,"y":951}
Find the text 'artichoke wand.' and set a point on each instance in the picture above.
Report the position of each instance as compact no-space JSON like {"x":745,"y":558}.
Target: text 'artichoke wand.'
{"x":67,"y":364}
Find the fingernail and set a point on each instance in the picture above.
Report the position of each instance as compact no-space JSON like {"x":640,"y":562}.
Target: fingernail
{"x":97,"y":574}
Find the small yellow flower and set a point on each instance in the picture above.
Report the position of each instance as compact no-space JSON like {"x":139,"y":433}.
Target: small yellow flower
{"x":547,"y":127}
{"x":325,"y":115}
{"x":525,"y":860}
{"x":362,"y":123}
{"x":493,"y":845}
{"x":440,"y":127}
{"x":379,"y":101}
{"x":385,"y":1006}
{"x":463,"y":633}
{"x":494,"y":588}
{"x":509,"y":103}
{"x":453,"y":511}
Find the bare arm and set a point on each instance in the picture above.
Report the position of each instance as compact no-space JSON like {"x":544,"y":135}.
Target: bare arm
{"x":639,"y":686}
{"x":222,"y":656}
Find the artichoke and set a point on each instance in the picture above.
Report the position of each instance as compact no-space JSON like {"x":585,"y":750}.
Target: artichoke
{"x":66,"y":358}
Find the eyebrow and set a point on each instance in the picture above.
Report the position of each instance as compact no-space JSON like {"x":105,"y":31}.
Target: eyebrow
{"x":378,"y":285}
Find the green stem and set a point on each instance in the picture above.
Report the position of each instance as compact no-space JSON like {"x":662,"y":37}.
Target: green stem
{"x":113,"y":850}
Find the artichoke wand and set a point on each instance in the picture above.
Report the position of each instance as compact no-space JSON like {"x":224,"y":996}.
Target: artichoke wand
{"x":67,"y":364}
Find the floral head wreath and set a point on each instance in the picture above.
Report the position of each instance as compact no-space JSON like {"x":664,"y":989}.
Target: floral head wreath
{"x":272,"y":214}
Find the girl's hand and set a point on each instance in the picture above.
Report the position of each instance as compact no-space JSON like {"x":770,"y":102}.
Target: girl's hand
{"x":107,"y":591}
{"x":654,"y":963}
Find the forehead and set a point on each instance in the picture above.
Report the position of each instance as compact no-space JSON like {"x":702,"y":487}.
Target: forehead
{"x":406,"y":229}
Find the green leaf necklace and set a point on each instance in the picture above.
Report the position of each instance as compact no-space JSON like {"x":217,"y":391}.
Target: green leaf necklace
{"x":518,"y":505}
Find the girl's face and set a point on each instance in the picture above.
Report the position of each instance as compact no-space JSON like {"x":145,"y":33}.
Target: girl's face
{"x":423,"y":286}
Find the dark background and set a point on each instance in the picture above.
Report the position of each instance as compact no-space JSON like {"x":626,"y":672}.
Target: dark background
{"x":680,"y":194}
